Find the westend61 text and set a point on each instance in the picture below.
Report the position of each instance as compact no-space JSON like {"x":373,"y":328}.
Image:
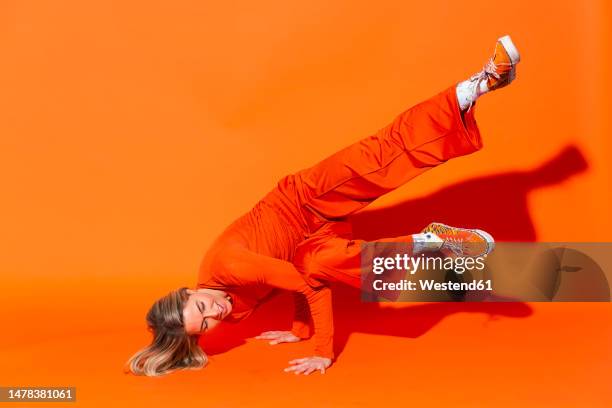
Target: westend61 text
{"x":430,"y":285}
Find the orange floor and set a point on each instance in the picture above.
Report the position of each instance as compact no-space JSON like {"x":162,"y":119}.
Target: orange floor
{"x":507,"y":354}
{"x":133,"y":132}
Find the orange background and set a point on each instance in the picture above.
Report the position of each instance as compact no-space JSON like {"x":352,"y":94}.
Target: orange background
{"x":133,"y":132}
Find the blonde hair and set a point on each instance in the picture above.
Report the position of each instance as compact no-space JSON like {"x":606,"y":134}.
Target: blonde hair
{"x":172,"y":348}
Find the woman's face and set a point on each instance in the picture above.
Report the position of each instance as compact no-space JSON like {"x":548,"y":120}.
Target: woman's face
{"x":204,"y":310}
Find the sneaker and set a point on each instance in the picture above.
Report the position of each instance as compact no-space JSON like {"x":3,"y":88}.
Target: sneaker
{"x":500,"y":70}
{"x":461,"y":242}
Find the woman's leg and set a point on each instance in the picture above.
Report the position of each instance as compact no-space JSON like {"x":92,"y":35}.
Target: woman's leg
{"x":331,"y":255}
{"x":420,"y":138}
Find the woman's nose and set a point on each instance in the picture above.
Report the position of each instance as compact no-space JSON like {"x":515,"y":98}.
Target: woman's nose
{"x":213,"y":309}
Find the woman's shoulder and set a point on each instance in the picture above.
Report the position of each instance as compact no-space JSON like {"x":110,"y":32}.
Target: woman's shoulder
{"x":225,"y":265}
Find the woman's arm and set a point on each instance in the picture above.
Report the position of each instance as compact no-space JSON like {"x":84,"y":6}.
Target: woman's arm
{"x":250,"y":267}
{"x":301,"y":326}
{"x":320,"y":305}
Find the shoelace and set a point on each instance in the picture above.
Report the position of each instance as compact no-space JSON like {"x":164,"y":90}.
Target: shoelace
{"x":490,"y":69}
{"x":455,"y":245}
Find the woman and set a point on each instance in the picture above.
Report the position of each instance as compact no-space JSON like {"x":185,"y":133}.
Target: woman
{"x":297,"y":238}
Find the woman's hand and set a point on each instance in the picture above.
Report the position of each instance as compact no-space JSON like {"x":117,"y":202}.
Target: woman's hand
{"x":307,"y":365}
{"x":277,"y":337}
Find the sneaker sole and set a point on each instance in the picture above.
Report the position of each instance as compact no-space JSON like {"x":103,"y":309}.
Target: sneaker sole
{"x":511,"y":49}
{"x":485,"y":235}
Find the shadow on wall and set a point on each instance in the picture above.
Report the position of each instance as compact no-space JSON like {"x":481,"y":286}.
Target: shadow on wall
{"x":496,"y":203}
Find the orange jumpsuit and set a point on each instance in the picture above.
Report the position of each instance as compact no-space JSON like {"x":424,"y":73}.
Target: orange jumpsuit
{"x":296,"y":238}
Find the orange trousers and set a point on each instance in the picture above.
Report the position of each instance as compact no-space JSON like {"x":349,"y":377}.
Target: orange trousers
{"x":420,"y":138}
{"x":297,"y":237}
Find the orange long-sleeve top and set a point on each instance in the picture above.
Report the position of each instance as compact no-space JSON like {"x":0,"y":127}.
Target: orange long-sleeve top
{"x":252,"y":258}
